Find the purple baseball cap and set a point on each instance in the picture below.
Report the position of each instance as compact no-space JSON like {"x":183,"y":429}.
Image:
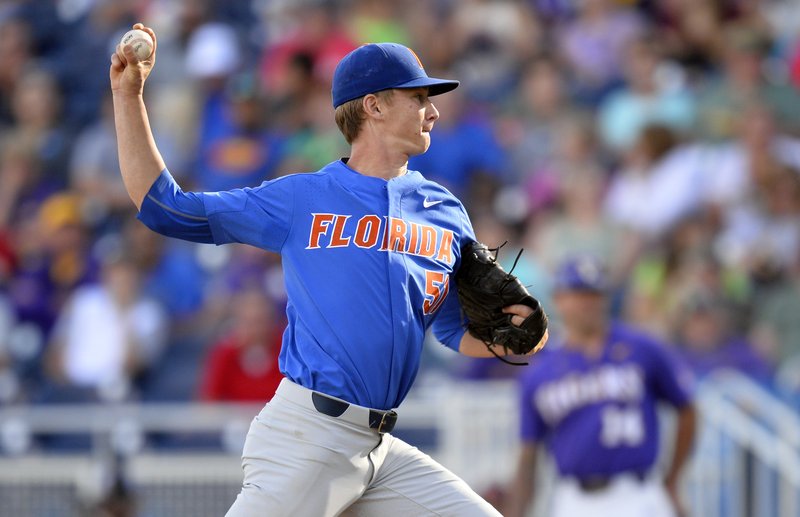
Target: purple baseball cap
{"x":584,"y":273}
{"x":381,"y":66}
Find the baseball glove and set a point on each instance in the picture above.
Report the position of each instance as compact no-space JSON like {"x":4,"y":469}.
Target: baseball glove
{"x":484,"y":288}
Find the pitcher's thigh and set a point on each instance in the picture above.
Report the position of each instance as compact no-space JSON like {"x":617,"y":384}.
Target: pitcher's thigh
{"x":285,"y":476}
{"x":410,"y":483}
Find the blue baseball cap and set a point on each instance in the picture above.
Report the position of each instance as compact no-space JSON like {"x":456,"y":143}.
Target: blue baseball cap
{"x":584,"y":273}
{"x":381,"y":66}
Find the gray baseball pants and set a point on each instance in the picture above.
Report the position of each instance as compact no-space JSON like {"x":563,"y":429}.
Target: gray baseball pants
{"x":301,"y":463}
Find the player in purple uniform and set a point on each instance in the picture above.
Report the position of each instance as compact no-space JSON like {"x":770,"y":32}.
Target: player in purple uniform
{"x":368,"y":250}
{"x":591,"y":403}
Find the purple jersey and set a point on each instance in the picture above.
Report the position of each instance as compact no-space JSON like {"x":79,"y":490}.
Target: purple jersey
{"x":598,"y":415}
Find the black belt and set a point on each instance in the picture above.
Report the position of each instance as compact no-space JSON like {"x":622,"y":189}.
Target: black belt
{"x":383,"y":421}
{"x":598,"y":483}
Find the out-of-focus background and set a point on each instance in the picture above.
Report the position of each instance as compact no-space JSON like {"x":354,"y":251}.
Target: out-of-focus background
{"x":661,"y":135}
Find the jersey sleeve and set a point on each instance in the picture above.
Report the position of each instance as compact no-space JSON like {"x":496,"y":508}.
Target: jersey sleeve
{"x":670,"y":379}
{"x":258,"y":216}
{"x":449,"y":326}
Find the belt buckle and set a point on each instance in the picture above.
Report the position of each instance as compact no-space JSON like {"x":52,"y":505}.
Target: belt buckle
{"x":392,"y":419}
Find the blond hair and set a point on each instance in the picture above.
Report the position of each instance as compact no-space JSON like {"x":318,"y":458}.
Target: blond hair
{"x":350,"y":115}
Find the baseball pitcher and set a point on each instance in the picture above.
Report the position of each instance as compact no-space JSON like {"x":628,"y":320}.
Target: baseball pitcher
{"x":370,"y":254}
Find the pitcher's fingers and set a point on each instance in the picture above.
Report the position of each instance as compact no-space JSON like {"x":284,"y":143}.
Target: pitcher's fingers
{"x":121,"y":55}
{"x":152,"y":34}
{"x":518,"y":309}
{"x":116,"y":62}
{"x":517,"y":320}
{"x":129,"y":54}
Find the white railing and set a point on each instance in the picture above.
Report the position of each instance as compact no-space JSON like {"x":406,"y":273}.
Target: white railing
{"x":746,"y":463}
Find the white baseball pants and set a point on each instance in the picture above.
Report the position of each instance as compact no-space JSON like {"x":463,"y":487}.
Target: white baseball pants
{"x":625,"y":496}
{"x":301,"y":463}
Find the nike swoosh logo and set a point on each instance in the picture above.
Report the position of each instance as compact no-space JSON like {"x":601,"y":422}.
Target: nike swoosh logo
{"x":427,"y":204}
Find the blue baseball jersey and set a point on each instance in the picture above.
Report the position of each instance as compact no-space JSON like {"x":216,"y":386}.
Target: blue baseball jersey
{"x":368,"y":266}
{"x":597,"y":416}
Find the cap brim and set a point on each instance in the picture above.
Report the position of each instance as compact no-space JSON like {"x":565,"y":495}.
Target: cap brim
{"x":434,"y":86}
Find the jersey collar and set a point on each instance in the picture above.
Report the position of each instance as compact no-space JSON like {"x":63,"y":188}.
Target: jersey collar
{"x":354,"y":179}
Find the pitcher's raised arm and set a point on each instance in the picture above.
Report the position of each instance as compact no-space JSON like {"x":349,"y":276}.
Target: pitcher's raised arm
{"x":139,"y":159}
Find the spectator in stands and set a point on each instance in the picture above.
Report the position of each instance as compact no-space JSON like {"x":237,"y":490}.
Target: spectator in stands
{"x":36,"y":108}
{"x":762,"y":238}
{"x":16,"y":53}
{"x":532,"y":121}
{"x":376,"y":20}
{"x":169,"y":273}
{"x":53,"y":244}
{"x":489,"y":41}
{"x":744,"y":83}
{"x":107,"y":335}
{"x":94,"y":171}
{"x":733,"y":169}
{"x":243,"y":365}
{"x":665,"y":271}
{"x":239,"y":148}
{"x":22,"y":187}
{"x":578,"y":225}
{"x":317,"y":139}
{"x":692,"y":33}
{"x":592,"y":45}
{"x":658,"y":185}
{"x":9,"y":384}
{"x":654,"y":93}
{"x":708,"y":339}
{"x":763,"y":233}
{"x":311,"y":28}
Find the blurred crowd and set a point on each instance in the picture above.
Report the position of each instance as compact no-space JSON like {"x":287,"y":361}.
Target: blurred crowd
{"x":662,"y":136}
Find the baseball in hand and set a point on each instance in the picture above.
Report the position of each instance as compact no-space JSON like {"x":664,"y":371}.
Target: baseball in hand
{"x":141,"y":41}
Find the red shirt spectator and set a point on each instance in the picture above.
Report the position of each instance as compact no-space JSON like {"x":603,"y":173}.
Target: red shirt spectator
{"x":243,"y":366}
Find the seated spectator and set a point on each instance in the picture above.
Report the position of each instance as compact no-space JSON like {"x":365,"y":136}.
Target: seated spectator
{"x":22,"y":185}
{"x":653,"y":94}
{"x":592,"y":45}
{"x":9,"y":384}
{"x":313,"y":29}
{"x":376,"y":20}
{"x":488,"y":41}
{"x":243,"y":365}
{"x":36,"y":108}
{"x":707,"y":341}
{"x":692,"y":32}
{"x":94,"y":170}
{"x":237,"y":149}
{"x":16,"y":53}
{"x":579,"y":226}
{"x":53,"y":246}
{"x":744,"y":83}
{"x":736,"y":167}
{"x":764,"y":232}
{"x":317,"y":141}
{"x":107,"y":334}
{"x":170,"y":274}
{"x":532,"y":125}
{"x":659,"y":185}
